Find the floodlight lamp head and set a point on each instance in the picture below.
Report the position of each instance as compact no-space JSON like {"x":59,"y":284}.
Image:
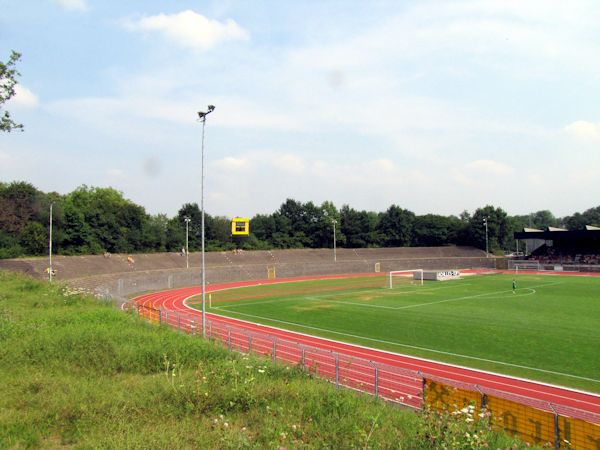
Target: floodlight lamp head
{"x":202,"y":115}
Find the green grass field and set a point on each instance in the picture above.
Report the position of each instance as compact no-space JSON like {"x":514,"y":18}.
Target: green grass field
{"x":548,"y":330}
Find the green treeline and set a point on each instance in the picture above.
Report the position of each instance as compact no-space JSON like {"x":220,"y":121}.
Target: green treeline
{"x":93,"y":220}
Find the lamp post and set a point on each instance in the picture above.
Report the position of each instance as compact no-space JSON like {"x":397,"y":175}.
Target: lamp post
{"x":50,"y":245}
{"x":202,"y":117}
{"x":187,"y":242}
{"x":485,"y":222}
{"x":333,"y":221}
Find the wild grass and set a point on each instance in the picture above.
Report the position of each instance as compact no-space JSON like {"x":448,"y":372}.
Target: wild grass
{"x":77,"y":373}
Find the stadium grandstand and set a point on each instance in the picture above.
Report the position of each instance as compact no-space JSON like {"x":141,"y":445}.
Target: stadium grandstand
{"x":123,"y":273}
{"x":562,"y":248}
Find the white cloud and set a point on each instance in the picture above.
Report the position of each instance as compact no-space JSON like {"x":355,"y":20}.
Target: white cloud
{"x":73,"y":5}
{"x":536,"y":180}
{"x":383,"y":165}
{"x":232,"y":163}
{"x":581,"y":129}
{"x":515,"y":38}
{"x":585,"y":176}
{"x":489,"y":167}
{"x":289,"y":163}
{"x":24,"y":98}
{"x":233,"y":113}
{"x":190,"y":29}
{"x":473,"y":173}
{"x":5,"y":157}
{"x":115,"y":173}
{"x":460,"y":178}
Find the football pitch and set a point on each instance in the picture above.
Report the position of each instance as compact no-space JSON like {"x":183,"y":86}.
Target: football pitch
{"x":548,"y":329}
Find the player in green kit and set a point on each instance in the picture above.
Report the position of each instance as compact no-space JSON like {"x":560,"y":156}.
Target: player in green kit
{"x":514,"y":286}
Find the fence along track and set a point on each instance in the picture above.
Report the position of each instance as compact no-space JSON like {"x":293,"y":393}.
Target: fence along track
{"x":533,"y":420}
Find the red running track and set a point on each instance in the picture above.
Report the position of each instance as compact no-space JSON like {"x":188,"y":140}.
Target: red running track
{"x":174,"y":300}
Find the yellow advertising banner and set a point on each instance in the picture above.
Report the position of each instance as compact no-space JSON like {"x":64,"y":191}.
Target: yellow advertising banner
{"x":530,"y":424}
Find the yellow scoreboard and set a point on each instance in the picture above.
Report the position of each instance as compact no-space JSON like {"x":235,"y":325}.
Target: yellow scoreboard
{"x":240,"y":226}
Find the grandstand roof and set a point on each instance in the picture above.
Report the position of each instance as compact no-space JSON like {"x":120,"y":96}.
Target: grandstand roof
{"x":558,"y":233}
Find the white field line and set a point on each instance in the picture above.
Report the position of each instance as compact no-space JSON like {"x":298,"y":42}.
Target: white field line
{"x":366,"y":305}
{"x":396,"y":308}
{"x":468,"y":297}
{"x":531,"y":292}
{"x":382,"y":291}
{"x":414,"y":347}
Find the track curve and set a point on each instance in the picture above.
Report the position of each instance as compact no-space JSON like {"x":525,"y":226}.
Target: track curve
{"x":175,"y":300}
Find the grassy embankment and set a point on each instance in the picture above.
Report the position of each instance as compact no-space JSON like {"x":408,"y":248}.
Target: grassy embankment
{"x":77,"y":373}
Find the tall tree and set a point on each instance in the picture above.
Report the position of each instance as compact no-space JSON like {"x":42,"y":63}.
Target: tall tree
{"x":540,"y":219}
{"x":34,"y":238}
{"x":218,"y":233}
{"x":499,"y":231}
{"x":331,"y":214}
{"x":8,"y":81}
{"x":433,"y":230}
{"x":396,"y":226}
{"x":592,"y":216}
{"x":115,"y":223}
{"x":194,"y":213}
{"x":357,"y":227}
{"x":20,"y":203}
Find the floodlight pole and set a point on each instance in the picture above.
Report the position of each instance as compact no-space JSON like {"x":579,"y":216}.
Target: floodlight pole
{"x":187,"y":242}
{"x":50,"y":245}
{"x":333,"y":221}
{"x":485,"y":222}
{"x":202,"y":116}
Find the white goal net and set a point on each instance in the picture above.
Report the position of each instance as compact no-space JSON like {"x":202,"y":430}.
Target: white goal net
{"x":524,"y":265}
{"x":406,"y":277}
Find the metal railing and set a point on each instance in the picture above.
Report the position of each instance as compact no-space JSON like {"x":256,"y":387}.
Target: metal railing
{"x":391,"y":383}
{"x":533,"y":420}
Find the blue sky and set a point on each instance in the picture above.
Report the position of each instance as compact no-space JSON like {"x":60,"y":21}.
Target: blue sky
{"x":436,"y":106}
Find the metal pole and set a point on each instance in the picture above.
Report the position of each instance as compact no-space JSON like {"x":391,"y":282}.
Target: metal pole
{"x":203,"y":268}
{"x":187,"y":243}
{"x":334,"y":248}
{"x":50,"y":246}
{"x":485,"y":221}
{"x":487,"y":251}
{"x":202,"y":116}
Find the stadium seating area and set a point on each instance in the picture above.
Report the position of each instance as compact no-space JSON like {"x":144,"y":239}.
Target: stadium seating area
{"x":71,"y":267}
{"x":121,"y":274}
{"x":551,"y":256}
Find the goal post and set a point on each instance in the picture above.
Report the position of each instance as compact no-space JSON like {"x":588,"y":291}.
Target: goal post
{"x":524,"y":265}
{"x":404,"y":277}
